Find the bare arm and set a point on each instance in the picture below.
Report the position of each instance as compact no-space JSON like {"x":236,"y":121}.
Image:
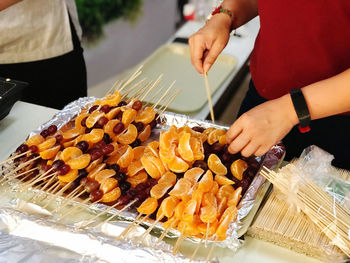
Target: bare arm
{"x":7,"y":3}
{"x":209,"y":41}
{"x":257,"y":130}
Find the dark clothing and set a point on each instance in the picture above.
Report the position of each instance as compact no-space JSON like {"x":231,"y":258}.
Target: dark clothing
{"x":331,"y":134}
{"x":52,"y":82}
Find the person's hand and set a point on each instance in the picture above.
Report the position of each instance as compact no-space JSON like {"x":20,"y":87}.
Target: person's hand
{"x":209,"y":41}
{"x":257,"y":130}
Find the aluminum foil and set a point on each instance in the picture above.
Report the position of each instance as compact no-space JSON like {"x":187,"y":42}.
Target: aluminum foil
{"x":270,"y":160}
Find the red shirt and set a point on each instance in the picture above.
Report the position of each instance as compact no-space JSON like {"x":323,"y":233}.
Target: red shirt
{"x":300,"y":42}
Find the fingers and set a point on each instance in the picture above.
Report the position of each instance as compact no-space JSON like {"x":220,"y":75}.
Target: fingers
{"x":238,"y":143}
{"x":197,"y":48}
{"x":212,"y":55}
{"x":249,"y":149}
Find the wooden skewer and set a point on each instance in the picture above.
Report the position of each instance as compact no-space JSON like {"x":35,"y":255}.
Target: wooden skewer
{"x":211,"y":250}
{"x":78,"y":207}
{"x":143,"y":236}
{"x":37,"y":179}
{"x":46,"y":184}
{"x":58,"y":193}
{"x":132,"y":78}
{"x":13,"y":157}
{"x":154,"y":96}
{"x":117,"y":214}
{"x":179,"y":241}
{"x":99,"y":214}
{"x":165,"y":106}
{"x":165,"y":94}
{"x":158,"y":80}
{"x":113,"y":87}
{"x":196,"y":249}
{"x":71,"y":195}
{"x":21,"y":166}
{"x":132,"y":88}
{"x":70,"y":200}
{"x":140,"y":91}
{"x":133,"y":224}
{"x":165,"y":232}
{"x":17,"y":175}
{"x":207,"y":87}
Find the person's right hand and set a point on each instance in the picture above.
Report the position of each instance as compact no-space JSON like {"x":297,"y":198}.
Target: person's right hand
{"x":209,"y":41}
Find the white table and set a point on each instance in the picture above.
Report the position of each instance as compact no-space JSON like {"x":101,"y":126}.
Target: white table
{"x":26,"y":117}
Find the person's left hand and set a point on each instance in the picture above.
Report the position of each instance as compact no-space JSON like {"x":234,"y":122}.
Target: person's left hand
{"x":257,"y":130}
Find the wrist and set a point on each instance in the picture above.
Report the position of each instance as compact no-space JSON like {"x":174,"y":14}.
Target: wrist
{"x":224,"y":16}
{"x":290,"y":113}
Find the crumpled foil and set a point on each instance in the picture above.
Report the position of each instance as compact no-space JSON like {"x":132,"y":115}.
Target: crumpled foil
{"x":138,"y":252}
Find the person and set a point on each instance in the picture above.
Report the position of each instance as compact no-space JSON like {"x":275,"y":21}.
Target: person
{"x":301,"y":46}
{"x":40,"y":44}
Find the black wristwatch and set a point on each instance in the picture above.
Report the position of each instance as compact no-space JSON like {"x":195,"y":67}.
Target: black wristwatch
{"x":301,"y":109}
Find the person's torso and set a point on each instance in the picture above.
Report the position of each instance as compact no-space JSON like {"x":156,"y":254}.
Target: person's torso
{"x":33,"y":30}
{"x":300,"y":42}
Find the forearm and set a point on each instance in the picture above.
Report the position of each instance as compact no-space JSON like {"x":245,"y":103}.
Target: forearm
{"x":243,"y":10}
{"x":7,"y":3}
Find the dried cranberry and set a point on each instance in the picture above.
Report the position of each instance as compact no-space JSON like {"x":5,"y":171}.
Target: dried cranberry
{"x":63,"y":169}
{"x":93,"y":108}
{"x":45,"y":133}
{"x":22,"y":148}
{"x":33,"y":149}
{"x":83,"y":121}
{"x":106,"y":138}
{"x":115,"y":167}
{"x":137,"y":105}
{"x":52,"y":129}
{"x":135,"y":143}
{"x":57,"y":164}
{"x":105,"y":108}
{"x":122,"y":103}
{"x":83,"y":146}
{"x":118,"y":128}
{"x":96,"y":195}
{"x":102,"y":121}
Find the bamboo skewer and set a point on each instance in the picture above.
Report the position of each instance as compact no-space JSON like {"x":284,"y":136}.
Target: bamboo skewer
{"x":78,"y":207}
{"x":207,"y":88}
{"x":163,"y":96}
{"x":37,"y":179}
{"x":132,"y":78}
{"x":132,"y":88}
{"x":165,"y":232}
{"x":21,"y":166}
{"x":167,"y":103}
{"x":143,"y":236}
{"x":65,"y":204}
{"x":13,"y":157}
{"x":211,"y":250}
{"x":152,"y":87}
{"x":117,"y":214}
{"x":57,"y":194}
{"x":154,"y":96}
{"x":17,"y":175}
{"x":179,"y":241}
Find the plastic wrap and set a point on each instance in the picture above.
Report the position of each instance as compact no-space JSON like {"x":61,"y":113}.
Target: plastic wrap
{"x":321,"y":192}
{"x":247,"y":206}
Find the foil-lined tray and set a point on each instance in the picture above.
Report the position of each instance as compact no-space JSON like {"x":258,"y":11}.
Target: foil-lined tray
{"x":246,"y":208}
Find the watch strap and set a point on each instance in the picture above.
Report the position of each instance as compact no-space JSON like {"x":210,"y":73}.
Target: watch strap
{"x":301,"y":110}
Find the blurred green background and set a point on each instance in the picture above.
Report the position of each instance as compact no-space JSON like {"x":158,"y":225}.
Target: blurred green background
{"x":94,"y":14}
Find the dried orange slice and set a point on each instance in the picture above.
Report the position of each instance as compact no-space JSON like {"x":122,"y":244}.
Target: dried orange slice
{"x":222,"y":139}
{"x":197,"y":195}
{"x":215,"y":165}
{"x":212,"y":228}
{"x":225,"y":191}
{"x":80,"y":162}
{"x":138,"y":152}
{"x":188,"y":228}
{"x":180,"y":209}
{"x":151,"y":169}
{"x":181,"y":188}
{"x":189,"y":211}
{"x":168,"y":178}
{"x":117,"y":154}
{"x":152,"y":149}
{"x":108,"y":128}
{"x":69,"y":177}
{"x":215,"y":188}
{"x":93,"y":164}
{"x":215,"y":135}
{"x":111,"y":196}
{"x":93,"y":118}
{"x":222,"y":206}
{"x":208,"y":214}
{"x":159,"y":190}
{"x":184,"y":147}
{"x":96,"y":169}
{"x":126,"y":158}
{"x":50,"y":153}
{"x":112,"y":113}
{"x":97,"y":135}
{"x":134,"y":168}
{"x":111,"y":100}
{"x":178,"y":165}
{"x":35,"y":140}
{"x":209,"y":199}
{"x":146,"y":116}
{"x":145,"y":133}
{"x":222,"y":180}
{"x":148,"y":206}
{"x":139,"y":178}
{"x":115,"y":147}
{"x":193,"y":174}
{"x":128,"y":116}
{"x":168,"y":206}
{"x":70,"y":153}
{"x":103,"y":175}
{"x":71,"y":134}
{"x":158,"y":164}
{"x":78,"y":120}
{"x":237,"y":168}
{"x":172,"y":222}
{"x":235,"y":197}
{"x":206,"y":182}
{"x":47,"y":144}
{"x":228,"y":216}
{"x":108,"y":184}
{"x":168,"y":138}
{"x":197,"y":148}
{"x":128,"y":135}
{"x":68,"y":144}
{"x":167,"y":156}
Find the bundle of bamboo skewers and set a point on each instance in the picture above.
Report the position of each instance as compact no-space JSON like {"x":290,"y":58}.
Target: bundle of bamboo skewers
{"x":322,"y":209}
